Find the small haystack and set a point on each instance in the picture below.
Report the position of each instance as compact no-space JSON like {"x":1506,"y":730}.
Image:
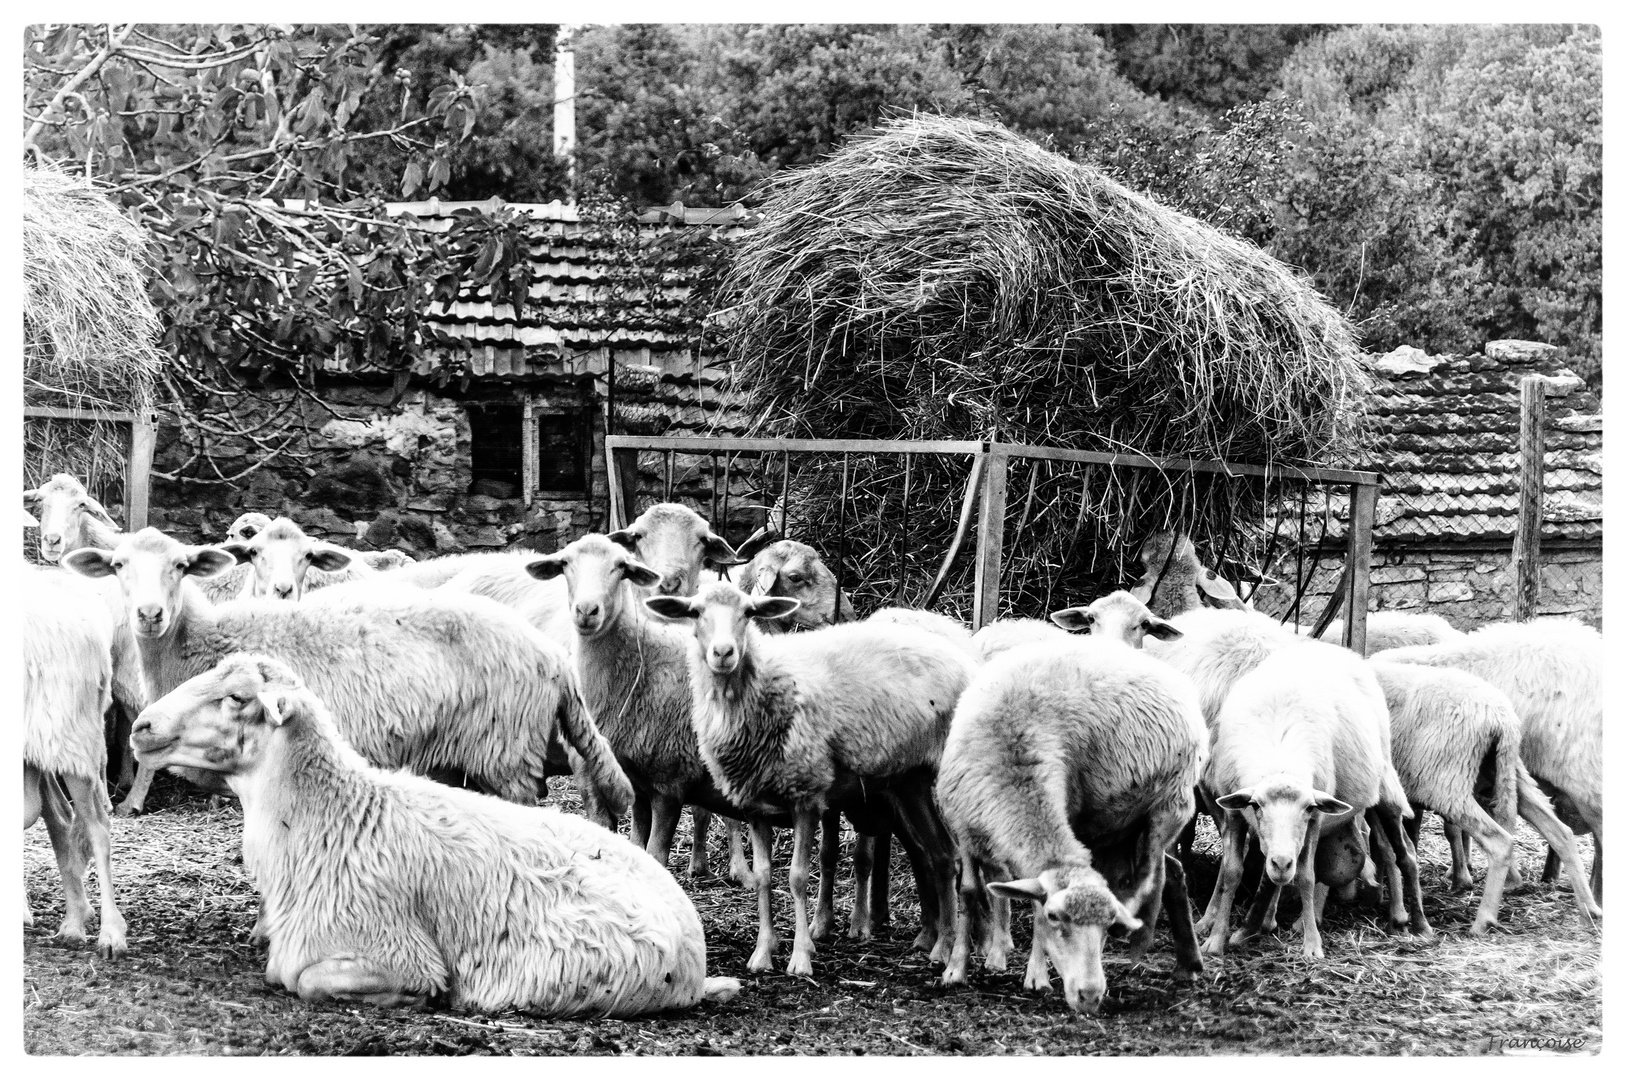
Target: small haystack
{"x":946,"y":279}
{"x":90,"y":330}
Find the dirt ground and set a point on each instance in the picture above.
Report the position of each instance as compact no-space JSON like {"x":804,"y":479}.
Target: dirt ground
{"x":192,"y":984}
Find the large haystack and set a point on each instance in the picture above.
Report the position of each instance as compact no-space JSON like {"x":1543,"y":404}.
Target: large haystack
{"x":944,"y":278}
{"x":89,"y":328}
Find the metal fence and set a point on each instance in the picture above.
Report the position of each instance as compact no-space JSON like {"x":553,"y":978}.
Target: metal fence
{"x":986,"y":530}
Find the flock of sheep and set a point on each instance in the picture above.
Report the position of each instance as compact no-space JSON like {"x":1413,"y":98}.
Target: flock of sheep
{"x":352,"y":701}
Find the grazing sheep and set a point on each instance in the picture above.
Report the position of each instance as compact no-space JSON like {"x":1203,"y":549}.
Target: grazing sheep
{"x":387,"y":888}
{"x":1068,"y":771}
{"x":1301,"y":744}
{"x":1118,"y":616}
{"x":1456,"y":751}
{"x":453,"y":682}
{"x":793,"y":723}
{"x":67,"y":640}
{"x":1396,"y":629}
{"x":1552,"y":672}
{"x":1176,"y":581}
{"x":1002,"y":635}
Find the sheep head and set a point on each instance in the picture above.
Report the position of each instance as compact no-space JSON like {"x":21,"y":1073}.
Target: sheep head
{"x":595,"y":569}
{"x":1281,"y":812}
{"x":677,"y":543}
{"x":221,"y":720}
{"x":281,"y":555}
{"x":150,"y":567}
{"x":792,"y":569}
{"x":62,"y":504}
{"x":722,"y":616}
{"x":1117,"y":616}
{"x":1077,"y":909}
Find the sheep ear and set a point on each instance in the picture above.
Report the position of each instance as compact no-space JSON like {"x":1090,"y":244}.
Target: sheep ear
{"x":1021,"y":889}
{"x":673,"y":607}
{"x":1161,"y":629}
{"x":639,"y":574}
{"x":241,"y":552}
{"x":330,"y":557}
{"x":1236,"y":800}
{"x":274,"y":705}
{"x":756,"y":542}
{"x":767,"y":578}
{"x":249,"y":532}
{"x":88,"y":562}
{"x":1073,"y":618}
{"x":549,"y":566}
{"x":98,"y":510}
{"x":1122,"y":917}
{"x":1217,"y":590}
{"x":30,"y":521}
{"x":1326,"y":804}
{"x":626,"y":538}
{"x":771,"y":607}
{"x":1142,"y":592}
{"x":719,"y":552}
{"x":209,"y":562}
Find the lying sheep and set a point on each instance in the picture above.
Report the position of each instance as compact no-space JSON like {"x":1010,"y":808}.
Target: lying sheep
{"x":67,"y":639}
{"x":795,"y":722}
{"x":1456,"y":751}
{"x":1068,"y":771}
{"x":1396,"y":629}
{"x":386,"y":888}
{"x":418,"y":681}
{"x":1300,"y":745}
{"x":1552,"y":672}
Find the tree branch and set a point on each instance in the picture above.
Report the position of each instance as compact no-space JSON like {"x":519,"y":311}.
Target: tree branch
{"x":112,"y":49}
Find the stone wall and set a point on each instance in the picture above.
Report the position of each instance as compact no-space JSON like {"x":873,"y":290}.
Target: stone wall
{"x":1468,"y":588}
{"x":375,"y":476}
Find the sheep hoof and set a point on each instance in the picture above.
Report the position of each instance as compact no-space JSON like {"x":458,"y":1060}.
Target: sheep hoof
{"x":1481,"y":927}
{"x":761,"y":960}
{"x":822,"y":926}
{"x":1188,"y":975}
{"x":1242,"y":936}
{"x":71,"y":934}
{"x":1424,"y":933}
{"x":1202,"y":926}
{"x":127,"y":809}
{"x":1036,"y":982}
{"x":858,"y":933}
{"x":1461,"y":884}
{"x":800,"y":964}
{"x":112,"y":945}
{"x":1313,"y":951}
{"x":995,"y":960}
{"x":954,"y":976}
{"x":925,"y":939}
{"x":1214,"y":946}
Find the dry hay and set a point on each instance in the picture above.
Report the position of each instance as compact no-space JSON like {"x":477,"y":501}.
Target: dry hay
{"x":945,"y":279}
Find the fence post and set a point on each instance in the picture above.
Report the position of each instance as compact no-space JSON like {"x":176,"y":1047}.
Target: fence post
{"x":990,"y":535}
{"x":529,"y":450}
{"x":1363,"y":503}
{"x":138,"y":474}
{"x":1532,"y":482}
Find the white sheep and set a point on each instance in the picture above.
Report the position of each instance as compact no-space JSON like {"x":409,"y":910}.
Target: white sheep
{"x":1300,"y":744}
{"x":1068,"y":771}
{"x":387,"y":888}
{"x":284,"y":563}
{"x":950,"y":629}
{"x":69,"y":518}
{"x":1396,"y":629}
{"x":453,"y":682}
{"x":67,"y":638}
{"x":1003,"y":635}
{"x":792,"y":723}
{"x":1117,"y":616}
{"x":1453,"y":732}
{"x":1552,"y":672}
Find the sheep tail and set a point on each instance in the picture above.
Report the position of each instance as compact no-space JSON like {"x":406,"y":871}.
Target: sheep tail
{"x":719,"y":989}
{"x":1504,"y":807}
{"x":583,"y":736}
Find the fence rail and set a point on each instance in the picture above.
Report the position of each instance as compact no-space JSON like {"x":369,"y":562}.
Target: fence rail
{"x":138,"y":467}
{"x":987,"y":488}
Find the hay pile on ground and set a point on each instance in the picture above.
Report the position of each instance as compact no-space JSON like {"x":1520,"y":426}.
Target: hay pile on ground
{"x":944,"y":278}
{"x":90,"y":330}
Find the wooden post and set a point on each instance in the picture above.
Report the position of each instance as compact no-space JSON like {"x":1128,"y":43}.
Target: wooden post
{"x":138,"y":473}
{"x":990,"y":536}
{"x":1363,"y":510}
{"x":530,"y":464}
{"x":1532,"y":481}
{"x":623,"y":481}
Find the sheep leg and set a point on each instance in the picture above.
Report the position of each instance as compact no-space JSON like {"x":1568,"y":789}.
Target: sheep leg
{"x":880,"y":882}
{"x":1187,"y":838}
{"x":806,"y":831}
{"x":665,"y":810}
{"x":136,"y":797}
{"x":1405,"y":856}
{"x":642,"y":813}
{"x":824,"y":913}
{"x":1188,"y":962}
{"x":355,"y":978}
{"x":699,"y":863}
{"x":1537,"y":809}
{"x":1462,"y":869}
{"x":1230,"y":876}
{"x":1038,"y":973}
{"x":1141,"y":940}
{"x":859,"y":926}
{"x":960,"y":955}
{"x":1305,"y":880}
{"x":1549,"y":869}
{"x":921,"y":823}
{"x":1264,"y":900}
{"x":32,"y":808}
{"x":1385,"y":856}
{"x":762,"y":879}
{"x":927,"y":938}
{"x":738,"y":869}
{"x":997,"y":944}
{"x":70,"y":858}
{"x":89,"y":796}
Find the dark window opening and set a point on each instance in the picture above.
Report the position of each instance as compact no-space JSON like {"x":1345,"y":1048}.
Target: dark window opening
{"x":496,"y":448}
{"x":563,"y":440}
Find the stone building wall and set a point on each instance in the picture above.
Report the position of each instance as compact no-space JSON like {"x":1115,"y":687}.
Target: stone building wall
{"x":385,"y":476}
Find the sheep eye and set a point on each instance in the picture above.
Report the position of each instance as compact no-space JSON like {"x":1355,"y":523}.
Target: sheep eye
{"x":1055,"y":920}
{"x":239,"y":699}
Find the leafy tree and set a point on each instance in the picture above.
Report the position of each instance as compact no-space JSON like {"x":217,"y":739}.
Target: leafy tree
{"x":1212,"y":67}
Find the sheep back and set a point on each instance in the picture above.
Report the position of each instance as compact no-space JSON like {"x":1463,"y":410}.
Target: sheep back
{"x":67,"y":640}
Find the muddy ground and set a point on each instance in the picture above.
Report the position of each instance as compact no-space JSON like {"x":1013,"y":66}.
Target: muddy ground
{"x":191,"y":983}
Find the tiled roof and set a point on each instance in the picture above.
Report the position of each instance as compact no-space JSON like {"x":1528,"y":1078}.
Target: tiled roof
{"x":1444,"y":431}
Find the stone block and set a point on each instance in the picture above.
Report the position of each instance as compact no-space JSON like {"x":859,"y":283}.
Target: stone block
{"x":1449,"y":591}
{"x":1408,"y":594}
{"x":1384,"y":575}
{"x":445,"y":542}
{"x":438,"y":502}
{"x":485,"y":537}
